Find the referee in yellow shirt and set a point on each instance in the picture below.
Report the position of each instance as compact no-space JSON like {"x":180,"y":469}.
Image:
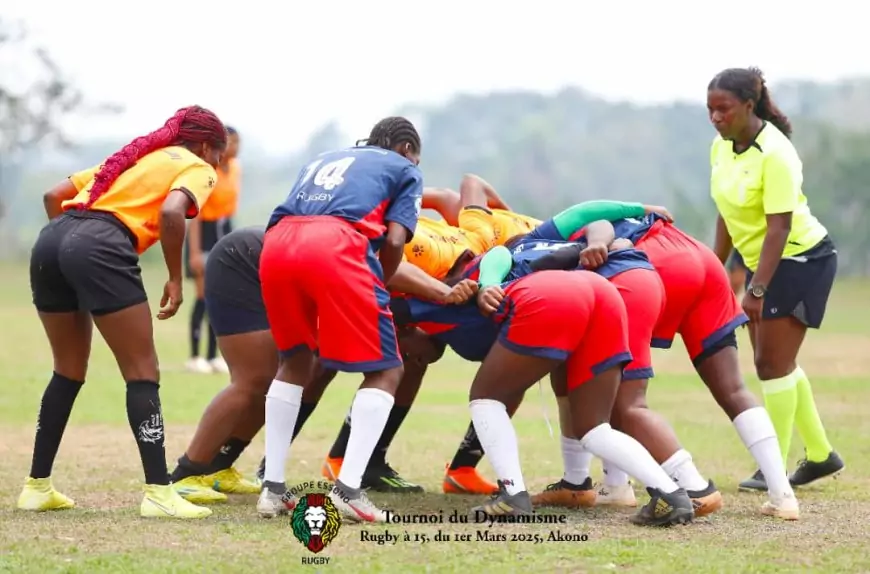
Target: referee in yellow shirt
{"x":756,"y":183}
{"x":214,"y":221}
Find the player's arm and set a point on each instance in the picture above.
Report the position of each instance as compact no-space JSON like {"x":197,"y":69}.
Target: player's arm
{"x":579,"y":216}
{"x":412,"y":280}
{"x":723,"y":244}
{"x":782,"y":181}
{"x":189,"y":190}
{"x":67,"y":189}
{"x":495,"y":266}
{"x":401,"y":218}
{"x":474,"y":182}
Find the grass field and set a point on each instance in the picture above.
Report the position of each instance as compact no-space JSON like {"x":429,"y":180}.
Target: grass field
{"x":99,"y":467}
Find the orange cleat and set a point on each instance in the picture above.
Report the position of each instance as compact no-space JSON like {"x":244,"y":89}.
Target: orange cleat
{"x":331,"y":467}
{"x":466,"y":480}
{"x":566,"y":495}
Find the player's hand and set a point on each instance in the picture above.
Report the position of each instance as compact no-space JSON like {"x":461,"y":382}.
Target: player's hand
{"x":171,"y":300}
{"x":621,"y":243}
{"x":489,"y":300}
{"x":753,"y":307}
{"x":461,"y":292}
{"x":659,"y":210}
{"x":593,"y":256}
{"x":197,"y":264}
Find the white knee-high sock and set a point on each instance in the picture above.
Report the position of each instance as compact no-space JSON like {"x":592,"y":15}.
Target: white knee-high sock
{"x":499,"y":441}
{"x":613,"y":475}
{"x":628,"y":454}
{"x":282,"y":409}
{"x":757,"y":433}
{"x":576,"y":460}
{"x":368,"y":417}
{"x":682,"y":470}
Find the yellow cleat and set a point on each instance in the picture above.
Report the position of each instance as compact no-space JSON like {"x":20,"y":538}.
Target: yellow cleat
{"x":39,"y":495}
{"x":231,"y":481}
{"x":163,"y":501}
{"x":198,"y":490}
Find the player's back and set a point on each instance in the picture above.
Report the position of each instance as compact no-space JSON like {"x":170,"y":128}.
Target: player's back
{"x":355,"y":184}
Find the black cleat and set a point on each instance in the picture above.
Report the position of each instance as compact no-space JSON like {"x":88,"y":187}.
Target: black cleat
{"x":503,"y":504}
{"x":754,"y":482}
{"x":382,"y":478}
{"x":809,"y":471}
{"x":665,"y":509}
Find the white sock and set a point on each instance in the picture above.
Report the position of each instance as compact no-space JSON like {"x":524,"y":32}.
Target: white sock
{"x":499,"y":441}
{"x":282,"y":409}
{"x":683,"y":471}
{"x":576,"y":461}
{"x":613,"y":475}
{"x":757,"y":433}
{"x":368,"y":417}
{"x":626,"y":453}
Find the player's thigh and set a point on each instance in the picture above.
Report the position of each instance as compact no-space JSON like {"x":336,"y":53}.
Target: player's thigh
{"x":715,"y":313}
{"x":356,"y":332}
{"x":252,"y":358}
{"x":643,"y":294}
{"x":290,"y":310}
{"x":544,"y":313}
{"x":606,"y":343}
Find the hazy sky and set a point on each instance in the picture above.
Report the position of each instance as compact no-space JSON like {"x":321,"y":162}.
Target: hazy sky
{"x":278,"y":70}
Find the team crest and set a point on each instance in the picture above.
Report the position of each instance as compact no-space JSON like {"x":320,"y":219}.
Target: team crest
{"x":315,"y":521}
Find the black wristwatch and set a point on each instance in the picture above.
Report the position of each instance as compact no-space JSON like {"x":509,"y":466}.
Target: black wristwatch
{"x":757,"y":291}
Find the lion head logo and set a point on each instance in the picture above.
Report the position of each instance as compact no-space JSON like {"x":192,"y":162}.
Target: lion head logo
{"x":315,"y":521}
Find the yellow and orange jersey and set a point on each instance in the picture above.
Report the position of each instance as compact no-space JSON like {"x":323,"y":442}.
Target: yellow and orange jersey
{"x":436,"y":245}
{"x":137,"y":195}
{"x":507,"y":224}
{"x":224,"y":199}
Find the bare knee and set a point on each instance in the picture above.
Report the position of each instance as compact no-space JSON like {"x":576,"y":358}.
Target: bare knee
{"x":387,"y":381}
{"x":143,"y":368}
{"x":769,"y":368}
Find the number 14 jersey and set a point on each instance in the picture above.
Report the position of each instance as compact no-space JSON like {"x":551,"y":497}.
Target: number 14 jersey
{"x":366,"y":186}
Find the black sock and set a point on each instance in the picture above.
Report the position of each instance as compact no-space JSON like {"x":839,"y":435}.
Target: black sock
{"x":146,"y":422}
{"x":196,"y":326}
{"x":470,"y":452}
{"x":261,"y":472}
{"x":394,"y":422}
{"x":228,"y":455}
{"x":57,"y":404}
{"x":305,"y":410}
{"x":340,"y":445}
{"x":187,"y":467}
{"x":211,"y":351}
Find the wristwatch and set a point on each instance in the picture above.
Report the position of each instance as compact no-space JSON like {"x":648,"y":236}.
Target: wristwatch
{"x":757,"y":291}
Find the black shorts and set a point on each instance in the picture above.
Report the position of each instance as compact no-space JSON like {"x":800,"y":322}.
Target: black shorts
{"x":735,"y":262}
{"x":85,"y":261}
{"x":801,"y":285}
{"x":233,"y":300}
{"x":210,"y":233}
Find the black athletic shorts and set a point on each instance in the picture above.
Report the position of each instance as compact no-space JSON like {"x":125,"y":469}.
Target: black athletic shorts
{"x":210,"y":233}
{"x":801,"y":285}
{"x":85,"y":261}
{"x":233,"y":300}
{"x":735,"y":262}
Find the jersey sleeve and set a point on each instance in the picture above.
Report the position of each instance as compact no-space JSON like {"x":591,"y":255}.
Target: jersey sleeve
{"x":197,"y":182}
{"x":495,"y":266}
{"x":81,"y":178}
{"x":781,"y":177}
{"x":408,"y":201}
{"x":579,"y":216}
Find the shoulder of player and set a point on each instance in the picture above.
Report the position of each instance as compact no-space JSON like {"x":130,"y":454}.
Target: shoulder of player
{"x":773,"y":143}
{"x":176,"y":155}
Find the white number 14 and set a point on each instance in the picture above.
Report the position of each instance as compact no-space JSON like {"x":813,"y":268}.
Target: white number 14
{"x":330,"y":175}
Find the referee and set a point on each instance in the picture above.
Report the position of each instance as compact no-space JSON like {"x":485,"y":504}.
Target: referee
{"x":214,"y":222}
{"x":756,"y":184}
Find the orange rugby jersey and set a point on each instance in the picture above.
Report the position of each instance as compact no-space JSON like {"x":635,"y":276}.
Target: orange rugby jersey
{"x":137,"y":195}
{"x":507,"y":224}
{"x":224,"y":199}
{"x":436,"y":245}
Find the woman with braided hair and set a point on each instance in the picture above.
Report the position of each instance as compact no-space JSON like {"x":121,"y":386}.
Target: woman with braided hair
{"x":84,"y":268}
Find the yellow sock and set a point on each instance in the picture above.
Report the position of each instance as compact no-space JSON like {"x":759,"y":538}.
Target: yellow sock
{"x":780,"y":400}
{"x":809,"y":424}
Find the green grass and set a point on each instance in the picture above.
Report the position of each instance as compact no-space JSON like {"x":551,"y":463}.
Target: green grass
{"x":99,"y":467}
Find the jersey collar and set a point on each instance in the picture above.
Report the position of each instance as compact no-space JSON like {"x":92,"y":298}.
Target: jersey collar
{"x":754,"y":143}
